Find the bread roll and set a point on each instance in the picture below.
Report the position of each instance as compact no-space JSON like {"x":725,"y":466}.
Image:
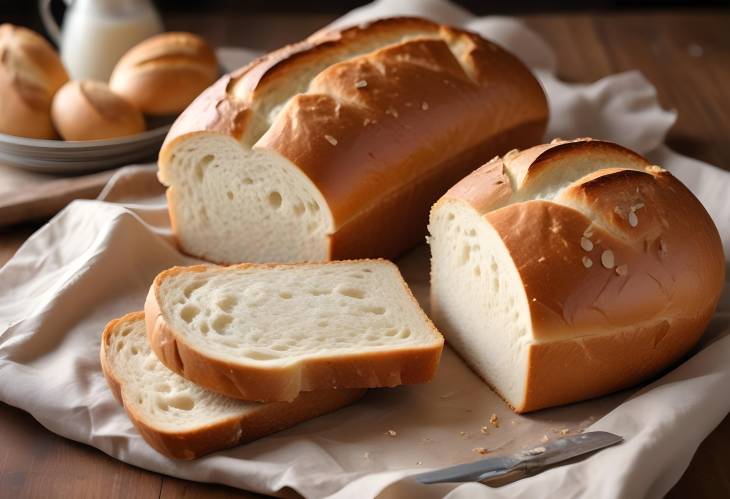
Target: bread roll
{"x":336,"y":147}
{"x":570,"y":270}
{"x":30,"y":73}
{"x":164,"y":73}
{"x":89,"y":110}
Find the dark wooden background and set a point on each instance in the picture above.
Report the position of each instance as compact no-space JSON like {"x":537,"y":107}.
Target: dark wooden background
{"x":685,"y":53}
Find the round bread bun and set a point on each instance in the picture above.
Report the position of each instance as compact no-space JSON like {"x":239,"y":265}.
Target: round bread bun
{"x":89,"y":110}
{"x":164,"y":73}
{"x":30,"y":74}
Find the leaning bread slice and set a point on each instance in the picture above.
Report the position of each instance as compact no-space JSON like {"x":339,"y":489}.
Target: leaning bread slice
{"x":269,"y":332}
{"x":182,"y":420}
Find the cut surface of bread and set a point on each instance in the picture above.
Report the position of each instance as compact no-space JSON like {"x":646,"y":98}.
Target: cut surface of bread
{"x":183,"y":420}
{"x":570,"y":270}
{"x":269,"y":332}
{"x":337,"y":146}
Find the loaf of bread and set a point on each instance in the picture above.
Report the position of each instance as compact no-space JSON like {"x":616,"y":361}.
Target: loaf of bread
{"x":89,"y":110}
{"x":267,"y":332}
{"x":570,"y":270}
{"x":182,"y":420}
{"x":164,"y":73}
{"x":336,"y":147}
{"x":30,"y":74}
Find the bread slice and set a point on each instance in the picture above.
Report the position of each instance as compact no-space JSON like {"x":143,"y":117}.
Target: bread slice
{"x":182,"y":420}
{"x":570,"y":270}
{"x":268,"y":332}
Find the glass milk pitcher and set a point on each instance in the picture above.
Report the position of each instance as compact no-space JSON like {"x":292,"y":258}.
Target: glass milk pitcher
{"x":96,"y":33}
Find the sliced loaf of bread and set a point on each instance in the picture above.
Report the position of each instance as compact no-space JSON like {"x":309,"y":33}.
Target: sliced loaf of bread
{"x":182,"y":420}
{"x":268,"y":332}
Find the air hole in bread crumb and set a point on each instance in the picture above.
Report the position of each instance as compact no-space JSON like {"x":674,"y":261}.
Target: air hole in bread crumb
{"x":465,"y":251}
{"x":161,"y":404}
{"x":323,"y":324}
{"x":134,"y":350}
{"x":367,"y":271}
{"x":248,"y":181}
{"x":229,"y":195}
{"x":391,"y":332}
{"x":274,"y":199}
{"x":285,"y":295}
{"x":319,"y":292}
{"x":220,"y":323}
{"x":200,"y":166}
{"x":190,"y":288}
{"x":373,"y":310}
{"x":299,"y":209}
{"x":450,"y":216}
{"x":182,"y":402}
{"x":493,"y":265}
{"x":163,"y":387}
{"x":313,"y":206}
{"x":126,"y":331}
{"x":120,"y":345}
{"x":204,"y":328}
{"x":188,"y":313}
{"x":227,"y":303}
{"x":260,"y":356}
{"x":358,"y":294}
{"x":405,"y":333}
{"x":477,"y":271}
{"x":280,"y":348}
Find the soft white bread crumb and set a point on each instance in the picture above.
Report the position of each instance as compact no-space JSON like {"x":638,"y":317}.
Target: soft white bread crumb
{"x":181,"y":419}
{"x":267,"y":332}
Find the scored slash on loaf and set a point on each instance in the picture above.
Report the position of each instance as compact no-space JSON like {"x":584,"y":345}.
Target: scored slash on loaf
{"x":570,"y":270}
{"x":336,"y":147}
{"x":182,"y":420}
{"x":269,"y":332}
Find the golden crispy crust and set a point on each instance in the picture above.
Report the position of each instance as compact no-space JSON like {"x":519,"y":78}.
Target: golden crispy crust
{"x":30,"y":74}
{"x":267,"y":419}
{"x":164,"y":73}
{"x":383,"y":133}
{"x":622,"y":269}
{"x":283,"y":383}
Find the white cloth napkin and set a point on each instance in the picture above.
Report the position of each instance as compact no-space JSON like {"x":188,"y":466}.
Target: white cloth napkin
{"x":95,"y":260}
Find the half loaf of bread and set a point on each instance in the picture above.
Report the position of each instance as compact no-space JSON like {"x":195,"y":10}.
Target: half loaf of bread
{"x":337,"y":146}
{"x":269,"y":332}
{"x":570,"y":270}
{"x":179,"y":418}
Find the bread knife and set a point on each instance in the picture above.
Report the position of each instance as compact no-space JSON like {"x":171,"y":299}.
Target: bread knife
{"x":531,"y":460}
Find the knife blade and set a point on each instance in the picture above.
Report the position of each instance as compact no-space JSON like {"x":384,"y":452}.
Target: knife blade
{"x":532,"y":459}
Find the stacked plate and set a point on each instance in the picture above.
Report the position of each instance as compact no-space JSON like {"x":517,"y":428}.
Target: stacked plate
{"x":58,"y":156}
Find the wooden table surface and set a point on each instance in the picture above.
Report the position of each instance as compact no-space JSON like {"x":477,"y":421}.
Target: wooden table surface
{"x":686,"y":55}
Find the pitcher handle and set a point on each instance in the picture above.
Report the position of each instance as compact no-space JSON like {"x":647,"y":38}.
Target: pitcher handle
{"x":49,"y":22}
